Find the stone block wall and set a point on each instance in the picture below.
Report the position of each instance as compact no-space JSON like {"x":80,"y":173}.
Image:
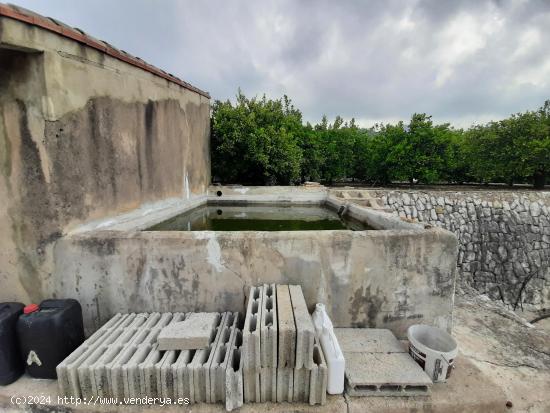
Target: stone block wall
{"x":504,"y":237}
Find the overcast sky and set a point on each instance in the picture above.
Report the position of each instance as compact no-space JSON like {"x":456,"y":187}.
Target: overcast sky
{"x":377,"y":61}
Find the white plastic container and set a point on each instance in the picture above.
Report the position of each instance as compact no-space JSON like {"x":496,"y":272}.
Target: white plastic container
{"x":433,"y":349}
{"x":336,"y":364}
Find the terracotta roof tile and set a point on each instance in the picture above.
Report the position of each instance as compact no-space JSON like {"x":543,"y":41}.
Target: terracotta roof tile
{"x":78,"y":35}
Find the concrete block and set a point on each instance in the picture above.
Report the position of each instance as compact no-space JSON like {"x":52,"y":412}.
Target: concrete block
{"x":234,"y":386}
{"x":251,"y":385}
{"x":147,"y":373}
{"x":268,"y":327}
{"x":368,"y":340}
{"x":377,"y":364}
{"x":183,"y":376}
{"x":318,"y":378}
{"x":116,"y":378}
{"x":67,"y":374}
{"x":220,"y":359}
{"x":268,"y":384}
{"x":132,"y":382}
{"x":149,"y":378}
{"x":165,"y":378}
{"x":251,"y":330}
{"x":285,"y":384}
{"x":85,"y":372}
{"x":192,"y":333}
{"x":301,"y":385}
{"x":379,"y":374}
{"x":122,"y":359}
{"x":305,"y":331}
{"x":200,"y":364}
{"x":286,"y":330}
{"x":67,"y":370}
{"x":101,"y":372}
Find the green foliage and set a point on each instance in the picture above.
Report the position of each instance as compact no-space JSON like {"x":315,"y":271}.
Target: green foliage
{"x":516,"y":149}
{"x":263,"y":141}
{"x":255,"y":141}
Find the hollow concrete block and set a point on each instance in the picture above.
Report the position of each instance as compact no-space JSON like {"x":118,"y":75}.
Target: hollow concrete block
{"x":268,"y":384}
{"x":101,"y":372}
{"x":251,"y":385}
{"x":85,"y":372}
{"x":220,"y":359}
{"x":147,"y":373}
{"x":201,"y":363}
{"x":234,"y":386}
{"x":305,"y":331}
{"x":116,"y":373}
{"x":268,"y":327}
{"x":74,"y":373}
{"x":318,"y":378}
{"x":285,"y":384}
{"x":286,"y":329}
{"x":67,"y":374}
{"x":183,"y":376}
{"x":385,"y":374}
{"x":301,"y":385}
{"x":165,"y":378}
{"x":251,"y":331}
{"x":131,"y":377}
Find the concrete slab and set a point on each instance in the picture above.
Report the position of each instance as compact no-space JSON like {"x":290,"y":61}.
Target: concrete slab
{"x":191,"y":334}
{"x":268,"y":327}
{"x":268,"y":384}
{"x":369,"y":340}
{"x":468,"y":390}
{"x":286,"y":330}
{"x":379,"y":374}
{"x":305,"y":331}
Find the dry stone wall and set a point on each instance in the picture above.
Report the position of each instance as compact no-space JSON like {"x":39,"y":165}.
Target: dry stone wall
{"x":504,"y":238}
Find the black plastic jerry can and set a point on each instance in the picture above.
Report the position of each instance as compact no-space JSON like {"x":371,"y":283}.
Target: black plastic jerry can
{"x":11,"y":365}
{"x":48,"y":333}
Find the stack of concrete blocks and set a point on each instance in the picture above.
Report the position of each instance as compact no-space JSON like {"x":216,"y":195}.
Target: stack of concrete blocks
{"x":282,"y":360}
{"x":122,"y":360}
{"x":377,"y":364}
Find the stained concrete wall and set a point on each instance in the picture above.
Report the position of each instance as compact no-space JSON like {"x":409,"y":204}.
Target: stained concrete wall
{"x":82,"y":136}
{"x":391,"y":278}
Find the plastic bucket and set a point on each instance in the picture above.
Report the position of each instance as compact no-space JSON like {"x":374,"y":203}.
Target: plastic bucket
{"x":433,"y":349}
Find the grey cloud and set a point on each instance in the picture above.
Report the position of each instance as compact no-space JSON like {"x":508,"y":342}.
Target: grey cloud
{"x":461,"y":61}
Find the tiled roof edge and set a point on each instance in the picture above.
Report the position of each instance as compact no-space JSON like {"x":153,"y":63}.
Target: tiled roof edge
{"x":26,"y":16}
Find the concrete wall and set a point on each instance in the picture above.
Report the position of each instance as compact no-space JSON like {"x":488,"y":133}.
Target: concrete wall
{"x":504,"y":237}
{"x":385,"y":278}
{"x":82,"y":136}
